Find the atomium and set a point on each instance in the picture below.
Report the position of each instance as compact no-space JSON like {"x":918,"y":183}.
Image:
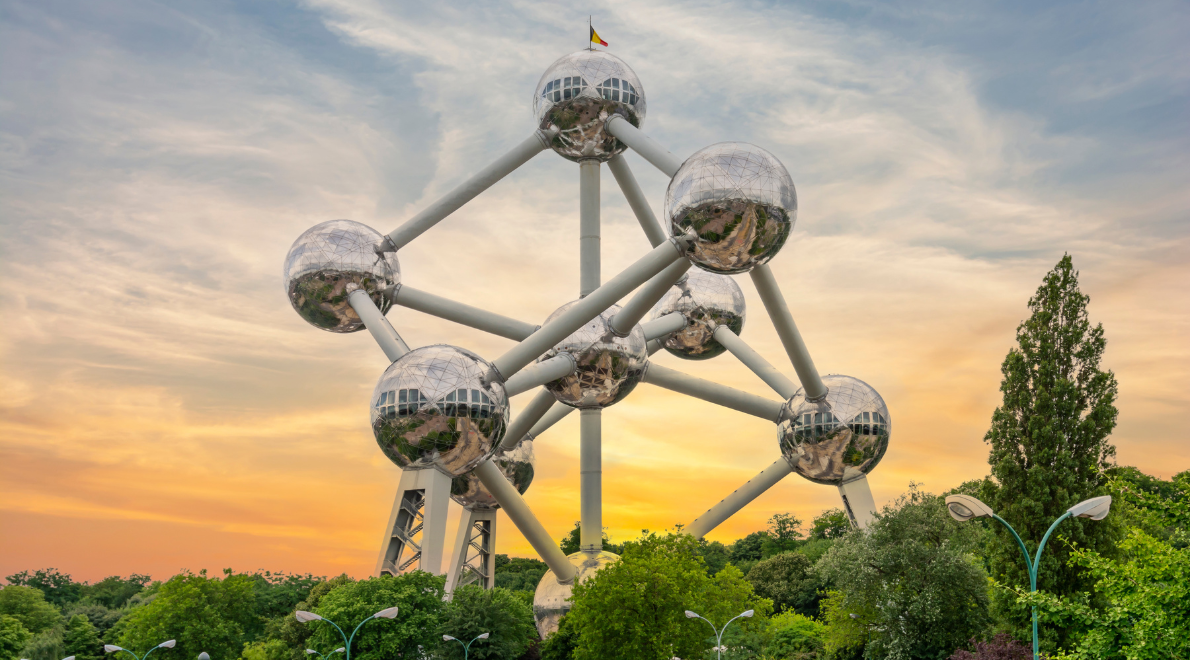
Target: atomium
{"x":552,"y":598}
{"x":707,"y":301}
{"x":327,"y":263}
{"x":608,"y":366}
{"x":515,"y":464}
{"x":739,"y":199}
{"x":431,"y":408}
{"x":838,"y":438}
{"x":581,"y":91}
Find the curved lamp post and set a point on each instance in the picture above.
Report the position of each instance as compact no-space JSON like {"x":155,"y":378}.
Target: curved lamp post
{"x":719,"y":632}
{"x":112,"y":648}
{"x":964,"y":507}
{"x":467,"y":646}
{"x":306,"y":617}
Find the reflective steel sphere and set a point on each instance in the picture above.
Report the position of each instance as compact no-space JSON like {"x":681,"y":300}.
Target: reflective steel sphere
{"x":609,"y":367}
{"x":581,"y":91}
{"x":552,"y":598}
{"x":432,"y":409}
{"x":327,"y":263}
{"x":707,"y":300}
{"x":839,"y":438}
{"x":740,"y":201}
{"x":517,"y":466}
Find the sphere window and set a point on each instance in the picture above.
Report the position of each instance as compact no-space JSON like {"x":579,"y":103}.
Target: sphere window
{"x":564,"y":88}
{"x":614,"y":89}
{"x":456,"y":404}
{"x":399,"y":403}
{"x":869,"y":423}
{"x":814,"y":425}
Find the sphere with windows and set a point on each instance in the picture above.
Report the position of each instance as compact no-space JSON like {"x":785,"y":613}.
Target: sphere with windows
{"x":608,"y":367}
{"x":707,"y":300}
{"x":330,"y":261}
{"x":838,"y":438}
{"x":740,"y":201}
{"x":515,"y":464}
{"x":581,"y":91}
{"x":431,"y":408}
{"x":551,"y":600}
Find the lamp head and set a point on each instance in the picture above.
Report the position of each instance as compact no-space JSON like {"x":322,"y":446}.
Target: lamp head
{"x":748,"y":614}
{"x":448,"y":638}
{"x":1095,"y":508}
{"x":691,"y":615}
{"x":311,"y":652}
{"x":964,"y":507}
{"x":204,"y":656}
{"x":388,"y":613}
{"x":168,"y":644}
{"x":483,"y":636}
{"x":339,"y":650}
{"x":69,"y":657}
{"x":111,"y":648}
{"x":853,"y":615}
{"x":306,"y":617}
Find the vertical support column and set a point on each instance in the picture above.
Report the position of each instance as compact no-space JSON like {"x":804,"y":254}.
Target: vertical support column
{"x":416,"y":530}
{"x":591,"y":480}
{"x":858,"y":501}
{"x":474,"y":558}
{"x":588,"y":213}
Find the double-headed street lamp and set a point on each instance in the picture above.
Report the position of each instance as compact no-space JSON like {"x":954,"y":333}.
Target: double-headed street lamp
{"x":467,"y":646}
{"x":964,"y":507}
{"x":719,"y":632}
{"x":306,"y":617}
{"x":324,"y":657}
{"x":167,"y":644}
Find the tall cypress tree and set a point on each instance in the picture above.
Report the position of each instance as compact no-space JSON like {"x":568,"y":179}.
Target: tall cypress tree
{"x":1049,"y":443}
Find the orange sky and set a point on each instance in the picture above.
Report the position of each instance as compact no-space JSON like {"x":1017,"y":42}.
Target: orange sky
{"x":162,"y":407}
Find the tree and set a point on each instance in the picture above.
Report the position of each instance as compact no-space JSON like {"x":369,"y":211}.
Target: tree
{"x":830,"y":524}
{"x":418,"y":595}
{"x":201,"y":613}
{"x":909,"y":580}
{"x":59,"y":589}
{"x":715,"y":555}
{"x":82,"y":640}
{"x":784,"y":534}
{"x":101,"y":617}
{"x":286,"y":638}
{"x":13,"y":637}
{"x":519,"y":573}
{"x":572,"y":542}
{"x":795,"y":637}
{"x":473,"y":611}
{"x":114,"y":592}
{"x":749,"y":548}
{"x":28,"y":605}
{"x":561,"y":644}
{"x":786,"y":579}
{"x":634,"y":608}
{"x":1049,"y":440}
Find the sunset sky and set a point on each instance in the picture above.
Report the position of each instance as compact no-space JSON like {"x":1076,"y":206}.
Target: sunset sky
{"x":163,"y":408}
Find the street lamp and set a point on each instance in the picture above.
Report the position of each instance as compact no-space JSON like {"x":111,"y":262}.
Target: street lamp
{"x":306,"y":617}
{"x":467,"y":646}
{"x":719,"y":632}
{"x":322,"y":656}
{"x":167,"y":644}
{"x":964,"y":507}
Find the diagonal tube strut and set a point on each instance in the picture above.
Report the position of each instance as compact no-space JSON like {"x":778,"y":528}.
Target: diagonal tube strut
{"x":540,"y":373}
{"x":666,"y":325}
{"x":466,"y":191}
{"x":742,"y":496}
{"x":533,"y":412}
{"x":706,"y":390}
{"x":654,"y":290}
{"x":636,"y":199}
{"x":643,"y":145}
{"x":753,"y":360}
{"x":514,"y":505}
{"x":774,"y":302}
{"x":473,"y":317}
{"x":382,"y":331}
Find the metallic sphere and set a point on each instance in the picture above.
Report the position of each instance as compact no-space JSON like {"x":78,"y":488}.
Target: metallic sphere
{"x":327,"y":263}
{"x":707,"y":300}
{"x":609,"y":367}
{"x":431,"y":408}
{"x":578,"y":93}
{"x":739,"y":199}
{"x":517,"y":466}
{"x":552,"y":598}
{"x":839,"y":438}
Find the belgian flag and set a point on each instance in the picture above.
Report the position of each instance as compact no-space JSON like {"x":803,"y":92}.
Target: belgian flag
{"x":595,"y":38}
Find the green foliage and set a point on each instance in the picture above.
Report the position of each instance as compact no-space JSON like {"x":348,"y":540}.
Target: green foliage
{"x":795,"y":637}
{"x":82,"y":640}
{"x":634,"y":608}
{"x":294,"y":636}
{"x":849,"y":624}
{"x":786,"y":580}
{"x":46,"y":645}
{"x":418,"y":595}
{"x":13,"y":637}
{"x":813,"y":549}
{"x":59,"y":589}
{"x":28,"y":605}
{"x":784,"y":534}
{"x":830,"y":524}
{"x":270,"y":649}
{"x":715,"y":555}
{"x":473,"y":611}
{"x":749,"y":548}
{"x":910,"y":578}
{"x":201,"y":613}
{"x":1049,"y":440}
{"x":561,"y":644}
{"x":101,"y":617}
{"x":114,"y":592}
{"x":572,"y":542}
{"x":1001,"y":647}
{"x":519,"y":573}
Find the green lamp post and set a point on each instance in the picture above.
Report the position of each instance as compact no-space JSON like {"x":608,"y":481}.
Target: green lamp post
{"x":306,"y":617}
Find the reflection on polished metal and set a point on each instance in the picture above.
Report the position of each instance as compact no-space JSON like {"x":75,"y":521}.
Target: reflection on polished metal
{"x":515,"y":464}
{"x":328,"y":262}
{"x":839,"y":438}
{"x":707,"y":300}
{"x":552,"y":598}
{"x":578,"y":93}
{"x":608,"y":367}
{"x":739,"y":199}
{"x":431,"y":408}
